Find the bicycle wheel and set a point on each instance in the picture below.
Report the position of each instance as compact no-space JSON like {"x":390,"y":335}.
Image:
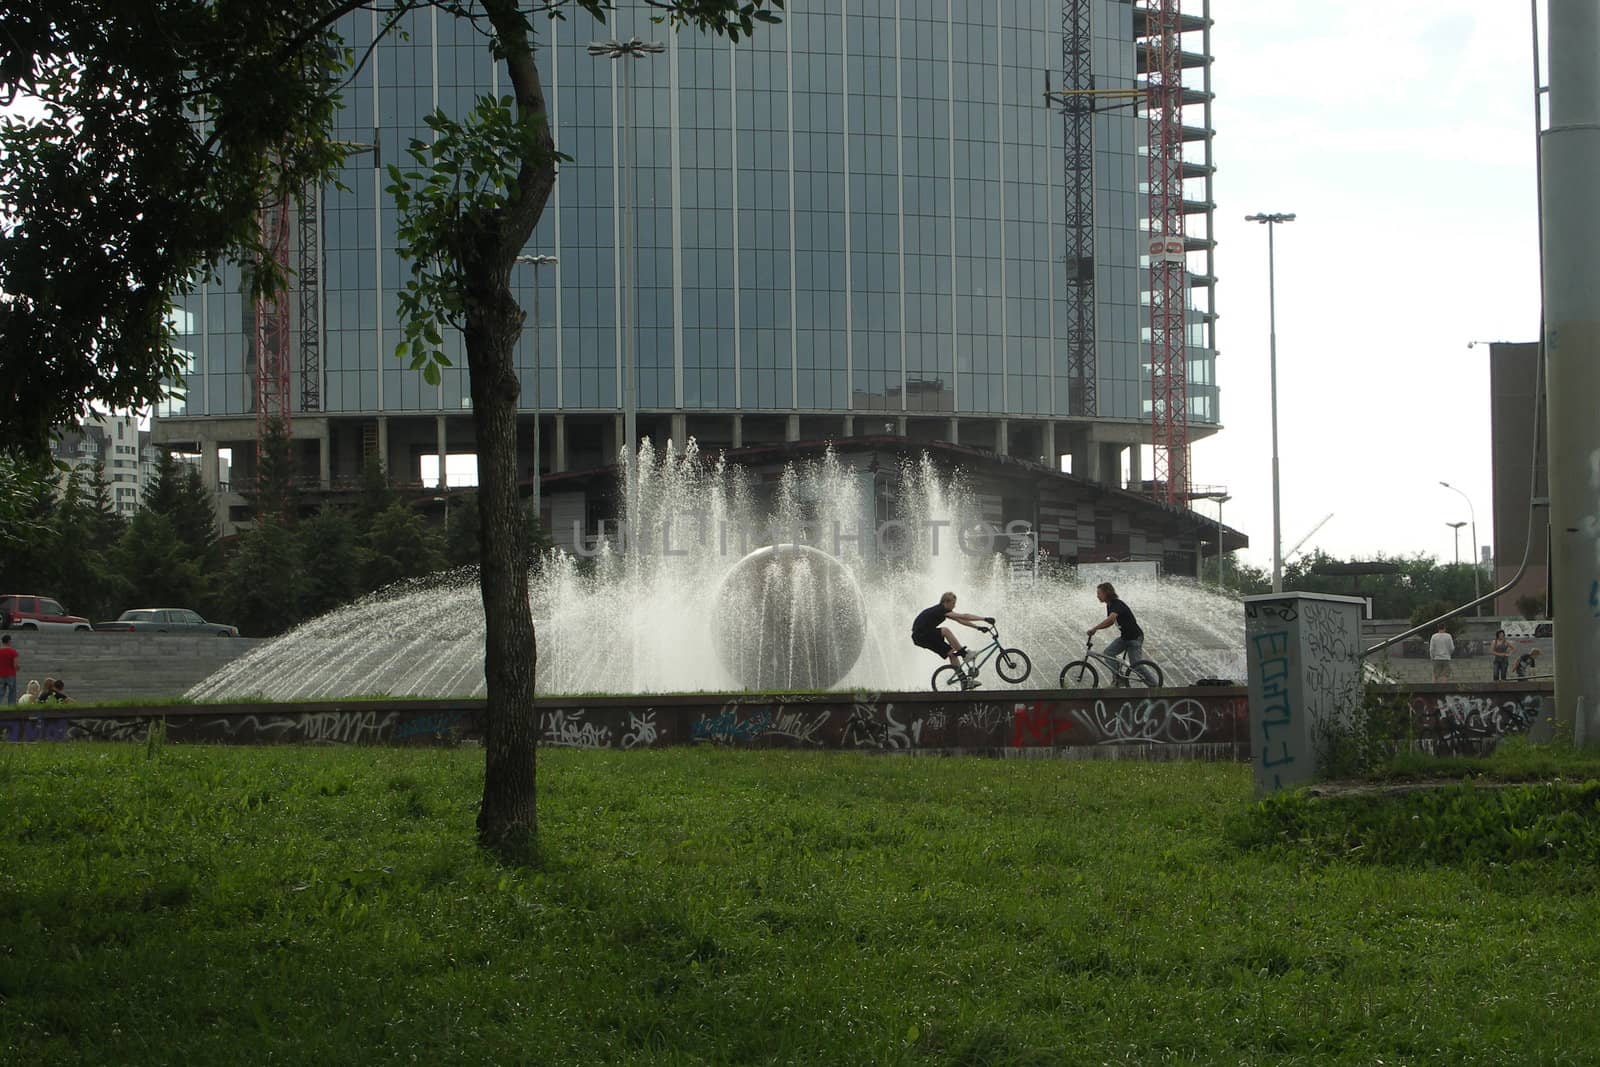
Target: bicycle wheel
{"x":947,"y":680}
{"x":1013,"y":665}
{"x":1080,"y":674}
{"x":1146,"y":671}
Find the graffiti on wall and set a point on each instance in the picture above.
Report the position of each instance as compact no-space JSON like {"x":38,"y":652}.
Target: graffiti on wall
{"x":1460,"y":722}
{"x":1266,"y":629}
{"x":869,"y":722}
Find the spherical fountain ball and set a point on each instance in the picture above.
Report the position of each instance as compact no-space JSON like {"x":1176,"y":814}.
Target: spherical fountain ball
{"x":789,"y":617}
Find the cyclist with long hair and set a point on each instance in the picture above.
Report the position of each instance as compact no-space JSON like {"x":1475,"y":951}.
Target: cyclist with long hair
{"x":1129,"y":641}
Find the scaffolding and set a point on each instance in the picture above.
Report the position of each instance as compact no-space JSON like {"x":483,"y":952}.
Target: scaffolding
{"x":1168,"y":253}
{"x":272,"y":339}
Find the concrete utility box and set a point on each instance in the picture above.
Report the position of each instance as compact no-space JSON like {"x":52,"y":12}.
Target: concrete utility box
{"x":1303,"y":655}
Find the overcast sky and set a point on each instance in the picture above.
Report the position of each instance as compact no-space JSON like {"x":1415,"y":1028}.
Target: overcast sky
{"x":1402,"y":137}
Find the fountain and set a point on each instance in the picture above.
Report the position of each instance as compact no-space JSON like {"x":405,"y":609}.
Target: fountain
{"x":719,"y":581}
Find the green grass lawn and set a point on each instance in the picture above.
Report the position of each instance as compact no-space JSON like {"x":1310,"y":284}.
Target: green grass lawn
{"x":328,"y":906}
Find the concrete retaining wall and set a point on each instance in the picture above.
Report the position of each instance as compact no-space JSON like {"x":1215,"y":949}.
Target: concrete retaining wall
{"x":108,"y":666}
{"x":1199,"y":723}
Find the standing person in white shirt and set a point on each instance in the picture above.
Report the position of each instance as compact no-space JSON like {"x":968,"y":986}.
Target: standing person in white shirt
{"x":1441,"y":646}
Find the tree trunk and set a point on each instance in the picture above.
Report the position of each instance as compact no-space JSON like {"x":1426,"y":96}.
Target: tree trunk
{"x":487,"y":250}
{"x":508,"y":816}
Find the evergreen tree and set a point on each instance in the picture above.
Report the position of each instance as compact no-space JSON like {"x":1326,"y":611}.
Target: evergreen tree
{"x":461,"y":531}
{"x":398,"y":545}
{"x":81,"y":575}
{"x":262,"y":588}
{"x":195,"y":517}
{"x":376,"y":493}
{"x":155,"y":566}
{"x":109,"y":521}
{"x":277,"y":499}
{"x":161,"y":495}
{"x":330,"y":561}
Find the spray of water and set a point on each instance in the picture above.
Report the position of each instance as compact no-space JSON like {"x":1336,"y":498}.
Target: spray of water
{"x":677,"y":596}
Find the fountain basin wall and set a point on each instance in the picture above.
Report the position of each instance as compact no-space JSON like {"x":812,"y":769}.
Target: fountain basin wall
{"x":1206,"y":722}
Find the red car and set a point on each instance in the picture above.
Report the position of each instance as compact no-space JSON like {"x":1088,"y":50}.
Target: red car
{"x":24,"y":611}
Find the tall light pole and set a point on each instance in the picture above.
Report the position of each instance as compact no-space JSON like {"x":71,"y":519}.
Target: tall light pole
{"x":1456,"y":526}
{"x":1473,"y":515}
{"x":633,"y":48}
{"x":1270,"y":221}
{"x":1221,"y":497}
{"x":1221,"y":500}
{"x":538,"y":470}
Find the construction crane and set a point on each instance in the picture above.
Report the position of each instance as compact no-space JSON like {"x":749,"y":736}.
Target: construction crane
{"x":272,"y":324}
{"x":1169,"y":378}
{"x":1080,"y":100}
{"x":1287,"y":555}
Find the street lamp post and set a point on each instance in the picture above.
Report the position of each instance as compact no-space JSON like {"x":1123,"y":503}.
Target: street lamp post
{"x":632,"y":48}
{"x":1456,"y":526}
{"x":1473,"y":515}
{"x":1270,"y":221}
{"x":1221,"y":500}
{"x":538,"y":469}
{"x":1221,"y":497}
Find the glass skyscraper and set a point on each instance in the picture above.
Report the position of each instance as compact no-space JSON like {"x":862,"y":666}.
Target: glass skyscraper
{"x":851,"y":224}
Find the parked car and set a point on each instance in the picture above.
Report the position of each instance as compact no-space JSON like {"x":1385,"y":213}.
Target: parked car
{"x":24,"y":611}
{"x":165,"y":621}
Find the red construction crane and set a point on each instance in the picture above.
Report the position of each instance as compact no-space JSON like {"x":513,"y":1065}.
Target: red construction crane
{"x":1169,"y":377}
{"x":272,"y":327}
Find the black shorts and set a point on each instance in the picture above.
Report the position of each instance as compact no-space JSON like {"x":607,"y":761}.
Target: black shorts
{"x":933,"y":641}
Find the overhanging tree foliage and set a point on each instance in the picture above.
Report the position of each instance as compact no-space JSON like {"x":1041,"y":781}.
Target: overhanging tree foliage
{"x":167,"y":125}
{"x":152,"y":134}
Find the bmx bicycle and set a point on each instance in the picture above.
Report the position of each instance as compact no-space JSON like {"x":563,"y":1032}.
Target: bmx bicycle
{"x":1012,"y":665}
{"x":1082,"y":673}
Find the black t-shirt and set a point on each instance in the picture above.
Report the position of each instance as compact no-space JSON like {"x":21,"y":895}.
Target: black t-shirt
{"x":1526,"y":663}
{"x":929,"y":620}
{"x":1126,"y":626}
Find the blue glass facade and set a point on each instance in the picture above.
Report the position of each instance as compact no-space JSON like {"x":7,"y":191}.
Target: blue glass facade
{"x":858,"y":211}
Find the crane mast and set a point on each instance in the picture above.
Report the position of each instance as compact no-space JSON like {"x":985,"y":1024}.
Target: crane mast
{"x":1168,"y":267}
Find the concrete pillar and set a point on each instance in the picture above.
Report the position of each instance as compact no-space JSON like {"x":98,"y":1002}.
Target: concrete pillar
{"x":1110,"y":465}
{"x":383,"y":445}
{"x":900,"y":425}
{"x":849,"y":426}
{"x":1302,"y":654}
{"x":1135,"y":465}
{"x":1085,"y":459}
{"x":442,"y":442}
{"x":617,"y":431}
{"x":953,"y":430}
{"x":791,"y":428}
{"x":1571,"y":151}
{"x":325,"y":455}
{"x":1052,"y":457}
{"x":1002,"y":437}
{"x":680,"y":433}
{"x":737,"y":432}
{"x":560,"y":444}
{"x":210,"y":474}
